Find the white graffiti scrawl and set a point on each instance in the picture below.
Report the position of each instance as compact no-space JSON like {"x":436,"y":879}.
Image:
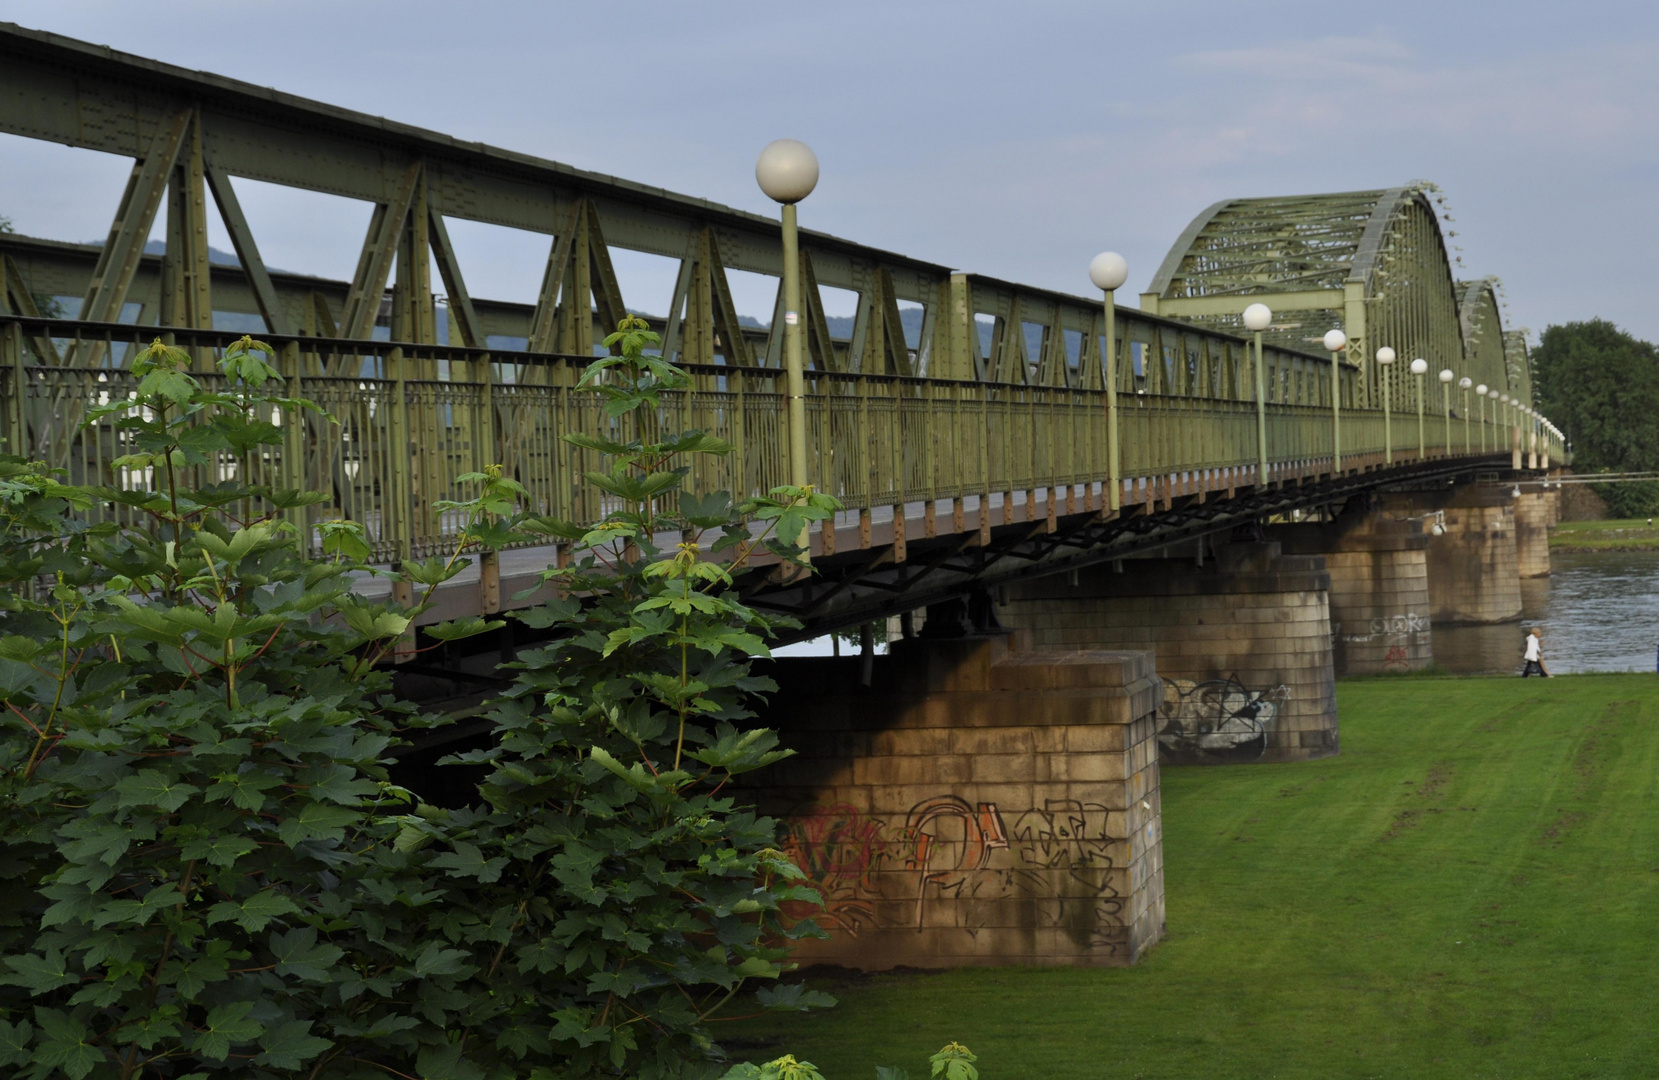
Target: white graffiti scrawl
{"x":1218,"y":718}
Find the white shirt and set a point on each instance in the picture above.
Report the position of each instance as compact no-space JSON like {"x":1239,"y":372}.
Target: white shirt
{"x":1532,"y":648}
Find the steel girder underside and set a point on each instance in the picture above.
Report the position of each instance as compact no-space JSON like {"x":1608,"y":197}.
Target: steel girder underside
{"x":861,"y":586}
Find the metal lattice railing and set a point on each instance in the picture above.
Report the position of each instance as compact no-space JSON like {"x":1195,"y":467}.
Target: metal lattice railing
{"x":412,"y":419}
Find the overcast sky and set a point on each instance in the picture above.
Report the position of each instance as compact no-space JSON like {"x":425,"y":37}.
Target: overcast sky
{"x":1009,"y":139}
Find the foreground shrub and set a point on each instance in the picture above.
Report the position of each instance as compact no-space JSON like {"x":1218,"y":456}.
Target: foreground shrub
{"x":207,"y":870}
{"x":198,"y":872}
{"x":609,"y":900}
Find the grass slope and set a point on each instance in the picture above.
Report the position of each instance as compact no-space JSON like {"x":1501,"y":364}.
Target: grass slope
{"x":1629,"y":534}
{"x":1471,"y":889}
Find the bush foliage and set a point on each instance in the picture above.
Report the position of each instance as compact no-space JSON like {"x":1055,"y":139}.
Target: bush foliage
{"x":208,"y":870}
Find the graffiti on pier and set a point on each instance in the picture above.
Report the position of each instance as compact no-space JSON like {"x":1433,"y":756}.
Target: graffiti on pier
{"x":1397,"y":634}
{"x":839,"y":849}
{"x":1390,"y":626}
{"x":1218,"y":719}
{"x":960,"y":838}
{"x":953,"y":863}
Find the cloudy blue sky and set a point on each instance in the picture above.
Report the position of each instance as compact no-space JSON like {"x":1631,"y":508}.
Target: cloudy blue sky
{"x":1009,"y":139}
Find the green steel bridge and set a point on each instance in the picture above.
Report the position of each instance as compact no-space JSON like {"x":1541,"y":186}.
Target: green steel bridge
{"x":971,"y":445}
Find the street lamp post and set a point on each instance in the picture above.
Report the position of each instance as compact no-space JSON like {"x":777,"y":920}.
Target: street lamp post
{"x":1419,"y":368}
{"x":1335,"y":342}
{"x":1480,"y":394}
{"x":1385,"y":357}
{"x":787,"y":172}
{"x":1509,"y":434}
{"x":1257,"y":317}
{"x":1109,"y":271}
{"x":1446,"y":377}
{"x":1497,"y":419}
{"x":1464,"y":383}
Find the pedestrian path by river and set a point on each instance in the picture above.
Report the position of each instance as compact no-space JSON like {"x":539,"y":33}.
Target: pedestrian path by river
{"x":1599,"y":612}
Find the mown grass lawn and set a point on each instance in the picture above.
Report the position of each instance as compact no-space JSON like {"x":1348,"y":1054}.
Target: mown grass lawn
{"x":1624,"y":534}
{"x":1471,"y":889}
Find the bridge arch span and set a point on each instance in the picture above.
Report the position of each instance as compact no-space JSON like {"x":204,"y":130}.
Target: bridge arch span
{"x":1372,"y":262}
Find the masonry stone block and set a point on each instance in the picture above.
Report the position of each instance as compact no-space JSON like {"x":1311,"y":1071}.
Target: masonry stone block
{"x":1005,"y":810}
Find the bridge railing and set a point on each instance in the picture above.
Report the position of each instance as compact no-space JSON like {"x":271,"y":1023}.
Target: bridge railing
{"x":405,"y":421}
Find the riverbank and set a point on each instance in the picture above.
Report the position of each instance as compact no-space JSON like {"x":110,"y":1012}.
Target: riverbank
{"x":1630,"y":534}
{"x":1471,"y":889}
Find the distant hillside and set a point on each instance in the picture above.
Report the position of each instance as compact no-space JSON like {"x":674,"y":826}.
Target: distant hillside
{"x":841,"y":326}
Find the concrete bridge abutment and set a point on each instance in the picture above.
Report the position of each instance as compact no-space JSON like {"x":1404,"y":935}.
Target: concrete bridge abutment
{"x":1243,"y":644}
{"x":974,"y":805}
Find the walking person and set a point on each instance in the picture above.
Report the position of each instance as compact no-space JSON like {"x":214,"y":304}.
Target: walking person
{"x":1534,"y":655}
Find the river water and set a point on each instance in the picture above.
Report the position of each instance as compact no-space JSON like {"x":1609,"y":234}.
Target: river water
{"x":1599,"y":611}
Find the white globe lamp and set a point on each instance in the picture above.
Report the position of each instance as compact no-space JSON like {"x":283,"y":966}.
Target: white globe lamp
{"x":1108,"y":271}
{"x":787,"y":171}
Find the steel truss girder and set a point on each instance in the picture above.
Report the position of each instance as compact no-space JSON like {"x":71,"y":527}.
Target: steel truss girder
{"x":61,"y":90}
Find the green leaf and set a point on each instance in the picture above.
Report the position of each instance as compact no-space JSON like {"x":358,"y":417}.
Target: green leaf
{"x":458,"y":629}
{"x":38,"y":974}
{"x":954,"y":1062}
{"x":467,"y":861}
{"x":290,"y":1045}
{"x":153,"y":788}
{"x":706,"y":511}
{"x":14,"y":1042}
{"x":217,"y":850}
{"x":445,"y":1063}
{"x":437,"y":960}
{"x":65,"y":1044}
{"x":175,"y":386}
{"x":298,"y":953}
{"x":594,"y":442}
{"x":316,"y":821}
{"x":226,"y":1026}
{"x":22,"y":649}
{"x":255,"y":912}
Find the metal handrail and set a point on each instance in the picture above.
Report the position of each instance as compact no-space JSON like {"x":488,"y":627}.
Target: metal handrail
{"x":406,"y":420}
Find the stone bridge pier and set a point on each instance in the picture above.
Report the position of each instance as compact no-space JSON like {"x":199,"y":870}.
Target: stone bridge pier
{"x":974,"y":805}
{"x":1474,"y":562}
{"x":1242,"y":636}
{"x":1536,"y":512}
{"x":1379,"y":596}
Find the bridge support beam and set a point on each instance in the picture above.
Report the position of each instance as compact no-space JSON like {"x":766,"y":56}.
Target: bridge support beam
{"x":975,"y":805}
{"x":1379,"y":597}
{"x":1242,"y":638}
{"x":1474,"y":574}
